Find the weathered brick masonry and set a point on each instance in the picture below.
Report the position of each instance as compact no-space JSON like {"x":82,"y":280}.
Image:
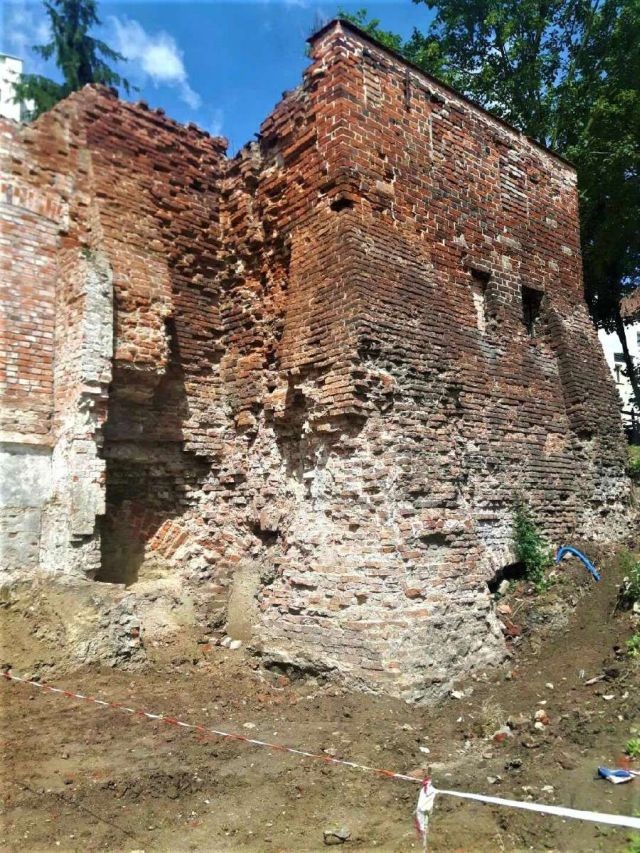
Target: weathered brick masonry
{"x":309,"y":380}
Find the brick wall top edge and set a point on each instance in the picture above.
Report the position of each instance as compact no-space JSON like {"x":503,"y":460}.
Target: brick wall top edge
{"x":8,"y":125}
{"x":97,"y":95}
{"x":100,"y":95}
{"x":270,"y":127}
{"x":337,"y":28}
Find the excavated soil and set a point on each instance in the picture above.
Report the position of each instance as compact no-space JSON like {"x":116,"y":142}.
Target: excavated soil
{"x":76,"y":776}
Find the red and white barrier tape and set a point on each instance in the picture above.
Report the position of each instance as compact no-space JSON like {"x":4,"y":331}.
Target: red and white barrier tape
{"x":427,"y":792}
{"x":163,"y":718}
{"x":558,"y":811}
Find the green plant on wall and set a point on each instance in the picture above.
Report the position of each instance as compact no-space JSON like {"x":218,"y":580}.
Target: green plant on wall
{"x":633,"y":646}
{"x":630,"y":588}
{"x":531,"y":548}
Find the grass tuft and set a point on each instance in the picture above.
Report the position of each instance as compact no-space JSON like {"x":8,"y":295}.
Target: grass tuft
{"x":633,"y":747}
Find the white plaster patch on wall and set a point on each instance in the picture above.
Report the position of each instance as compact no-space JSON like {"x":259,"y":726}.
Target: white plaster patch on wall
{"x":25,"y":485}
{"x":25,"y":475}
{"x":70,"y":540}
{"x":97,"y":347}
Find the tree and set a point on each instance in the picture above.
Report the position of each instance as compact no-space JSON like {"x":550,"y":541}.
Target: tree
{"x":567,"y":73}
{"x":81,"y":58}
{"x":419,"y":49}
{"x":371,"y":26}
{"x":607,"y":152}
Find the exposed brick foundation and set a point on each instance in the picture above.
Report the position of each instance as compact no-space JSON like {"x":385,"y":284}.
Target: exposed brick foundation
{"x":335,"y":361}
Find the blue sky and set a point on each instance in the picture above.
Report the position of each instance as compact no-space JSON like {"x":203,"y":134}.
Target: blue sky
{"x":223,"y":65}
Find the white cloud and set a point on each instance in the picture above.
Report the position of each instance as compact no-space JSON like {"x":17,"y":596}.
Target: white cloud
{"x":216,"y":123}
{"x":155,"y":57}
{"x":24,"y":25}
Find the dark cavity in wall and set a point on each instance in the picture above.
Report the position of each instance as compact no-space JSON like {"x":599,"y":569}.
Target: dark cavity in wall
{"x":121,"y":553}
{"x":510,"y":572}
{"x":531,"y":307}
{"x":299,"y":670}
{"x":342,"y":203}
{"x":149,"y":475}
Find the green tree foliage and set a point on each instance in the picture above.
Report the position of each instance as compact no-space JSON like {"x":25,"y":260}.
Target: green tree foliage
{"x":81,"y":58}
{"x":420,"y":49}
{"x":567,"y":73}
{"x":372,"y":27}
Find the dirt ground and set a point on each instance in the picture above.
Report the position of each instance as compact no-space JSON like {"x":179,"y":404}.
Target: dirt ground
{"x":76,"y":776}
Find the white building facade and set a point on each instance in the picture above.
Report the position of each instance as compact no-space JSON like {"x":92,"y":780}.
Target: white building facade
{"x":10,"y":71}
{"x":615,"y":359}
{"x":612,"y":347}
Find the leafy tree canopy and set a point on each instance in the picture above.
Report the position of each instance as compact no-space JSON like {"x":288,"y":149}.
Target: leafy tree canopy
{"x":81,"y":58}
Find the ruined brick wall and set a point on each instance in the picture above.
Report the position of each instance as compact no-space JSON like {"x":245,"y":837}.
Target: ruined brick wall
{"x":132,"y":258}
{"x":158,"y":192}
{"x":418,"y":405}
{"x":29,"y":222}
{"x":58,"y":347}
{"x":454,"y":217}
{"x":336,"y":360}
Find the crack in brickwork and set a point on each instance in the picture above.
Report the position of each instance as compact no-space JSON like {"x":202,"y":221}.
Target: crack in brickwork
{"x":321,"y":379}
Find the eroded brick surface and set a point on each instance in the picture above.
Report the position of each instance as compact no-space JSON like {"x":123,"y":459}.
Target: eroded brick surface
{"x":325,"y":378}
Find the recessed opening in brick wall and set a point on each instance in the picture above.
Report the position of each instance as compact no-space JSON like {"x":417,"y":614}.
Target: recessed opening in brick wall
{"x":340,"y":204}
{"x":531,"y":308}
{"x":121,"y":553}
{"x":510,"y":572}
{"x":148,"y":472}
{"x":479,"y":285}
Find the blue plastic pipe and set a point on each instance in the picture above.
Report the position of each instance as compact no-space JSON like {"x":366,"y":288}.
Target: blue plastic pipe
{"x":568,"y":549}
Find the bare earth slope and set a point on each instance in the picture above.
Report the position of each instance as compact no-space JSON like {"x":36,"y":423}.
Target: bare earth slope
{"x":78,"y":777}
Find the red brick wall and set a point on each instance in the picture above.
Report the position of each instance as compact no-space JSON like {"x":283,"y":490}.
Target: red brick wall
{"x":157,"y":190}
{"x":405,"y":508}
{"x":30,"y":216}
{"x":302,"y":391}
{"x":442,"y":189}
